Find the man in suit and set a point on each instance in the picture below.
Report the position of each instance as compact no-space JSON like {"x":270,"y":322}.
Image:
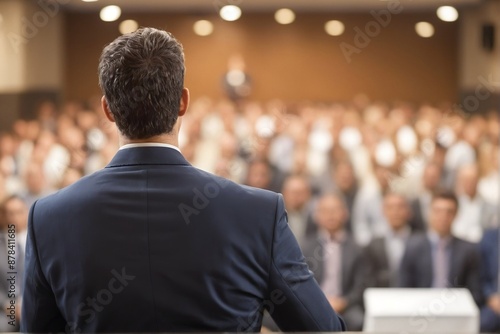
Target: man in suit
{"x":490,"y":278}
{"x":298,"y":202}
{"x":11,"y":267}
{"x":152,"y":244}
{"x":384,"y":254}
{"x":431,"y":180}
{"x":337,"y":261}
{"x":439,"y":259}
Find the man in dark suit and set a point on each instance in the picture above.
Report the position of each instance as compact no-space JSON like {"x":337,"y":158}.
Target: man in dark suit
{"x":437,"y":258}
{"x":152,"y":244}
{"x":431,"y":179}
{"x":384,"y":254}
{"x":490,"y":276}
{"x":337,"y":261}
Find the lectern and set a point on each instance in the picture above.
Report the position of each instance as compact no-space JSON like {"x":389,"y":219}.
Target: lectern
{"x":420,"y":311}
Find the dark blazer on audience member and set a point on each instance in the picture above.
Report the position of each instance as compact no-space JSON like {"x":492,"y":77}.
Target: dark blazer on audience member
{"x":354,"y":267}
{"x":151,"y":244}
{"x":464,"y":271}
{"x":376,"y":256}
{"x":489,"y":248}
{"x":417,"y":221}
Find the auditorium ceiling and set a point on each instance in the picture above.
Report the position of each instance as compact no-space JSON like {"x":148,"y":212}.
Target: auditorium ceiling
{"x":260,"y":5}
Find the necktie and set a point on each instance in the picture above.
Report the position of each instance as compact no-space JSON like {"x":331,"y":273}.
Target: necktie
{"x":441,"y":265}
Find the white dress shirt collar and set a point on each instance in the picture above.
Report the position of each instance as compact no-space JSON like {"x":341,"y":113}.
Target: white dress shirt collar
{"x":133,"y":145}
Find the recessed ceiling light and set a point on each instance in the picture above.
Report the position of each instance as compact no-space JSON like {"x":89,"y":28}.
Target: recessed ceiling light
{"x":447,"y":13}
{"x":284,"y":16}
{"x":128,"y":26}
{"x":334,"y":28}
{"x":203,"y":28}
{"x":424,"y":29}
{"x":110,"y":13}
{"x":89,"y":0}
{"x":230,"y":13}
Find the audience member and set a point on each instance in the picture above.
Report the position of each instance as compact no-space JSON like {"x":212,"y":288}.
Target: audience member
{"x":437,"y":259}
{"x":297,"y":196}
{"x":431,"y":180}
{"x":337,"y":262}
{"x":474,"y":213}
{"x":345,"y":183}
{"x":368,"y":220}
{"x":490,"y":278}
{"x":10,"y":292}
{"x":16,"y":214}
{"x":384,"y":254}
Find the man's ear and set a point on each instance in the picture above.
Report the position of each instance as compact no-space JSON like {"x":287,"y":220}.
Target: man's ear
{"x":105,"y":108}
{"x":184,"y":102}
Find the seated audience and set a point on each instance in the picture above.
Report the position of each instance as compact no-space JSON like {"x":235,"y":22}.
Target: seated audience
{"x":337,"y":262}
{"x":384,"y":254}
{"x":437,"y":259}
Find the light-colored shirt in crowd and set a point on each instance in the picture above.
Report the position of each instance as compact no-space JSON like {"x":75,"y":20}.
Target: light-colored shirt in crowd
{"x":395,"y":245}
{"x":441,"y":255}
{"x":332,"y":264}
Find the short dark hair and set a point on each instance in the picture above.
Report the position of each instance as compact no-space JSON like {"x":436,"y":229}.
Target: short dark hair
{"x":445,"y":194}
{"x":141,"y":75}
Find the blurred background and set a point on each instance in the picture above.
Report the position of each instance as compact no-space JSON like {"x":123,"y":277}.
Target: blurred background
{"x":363,"y":98}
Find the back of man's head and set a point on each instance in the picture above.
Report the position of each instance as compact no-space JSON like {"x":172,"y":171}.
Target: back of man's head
{"x":141,"y":75}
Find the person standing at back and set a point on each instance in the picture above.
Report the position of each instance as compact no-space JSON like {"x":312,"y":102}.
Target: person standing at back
{"x":152,"y":244}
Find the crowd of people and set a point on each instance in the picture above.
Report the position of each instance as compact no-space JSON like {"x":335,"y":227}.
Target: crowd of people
{"x":377,"y":194}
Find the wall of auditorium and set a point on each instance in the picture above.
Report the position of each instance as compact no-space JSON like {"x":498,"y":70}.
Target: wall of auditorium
{"x":293,"y":62}
{"x":480,"y":65}
{"x":31,"y":57}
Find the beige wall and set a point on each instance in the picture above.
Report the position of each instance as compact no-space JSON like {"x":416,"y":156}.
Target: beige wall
{"x":475,"y":61}
{"x":294,"y":62}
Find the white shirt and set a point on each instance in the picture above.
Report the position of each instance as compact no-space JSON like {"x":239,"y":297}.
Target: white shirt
{"x":133,"y":145}
{"x":332,"y":255}
{"x":467,"y":224}
{"x":395,"y":246}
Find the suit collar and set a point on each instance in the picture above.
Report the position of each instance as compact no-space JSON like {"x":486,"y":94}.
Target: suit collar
{"x":136,"y":156}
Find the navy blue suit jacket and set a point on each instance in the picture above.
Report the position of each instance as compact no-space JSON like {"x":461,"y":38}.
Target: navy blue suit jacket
{"x":151,"y":243}
{"x":490,"y":257}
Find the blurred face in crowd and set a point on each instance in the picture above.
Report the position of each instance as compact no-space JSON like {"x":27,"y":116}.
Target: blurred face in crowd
{"x":331,"y":213}
{"x":468,"y":178}
{"x":259,"y":175}
{"x":344,"y":177}
{"x":228,"y":146}
{"x":382,"y":174}
{"x":431,"y":177}
{"x":296,"y":193}
{"x":396,"y":210}
{"x":35,"y":179}
{"x":16,"y":213}
{"x":441,"y":216}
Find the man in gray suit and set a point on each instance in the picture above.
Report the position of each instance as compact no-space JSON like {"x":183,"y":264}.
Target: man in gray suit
{"x":337,"y":262}
{"x":437,"y":258}
{"x":384,"y":254}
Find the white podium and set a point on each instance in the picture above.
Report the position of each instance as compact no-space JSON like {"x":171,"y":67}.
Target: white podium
{"x":405,"y":311}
